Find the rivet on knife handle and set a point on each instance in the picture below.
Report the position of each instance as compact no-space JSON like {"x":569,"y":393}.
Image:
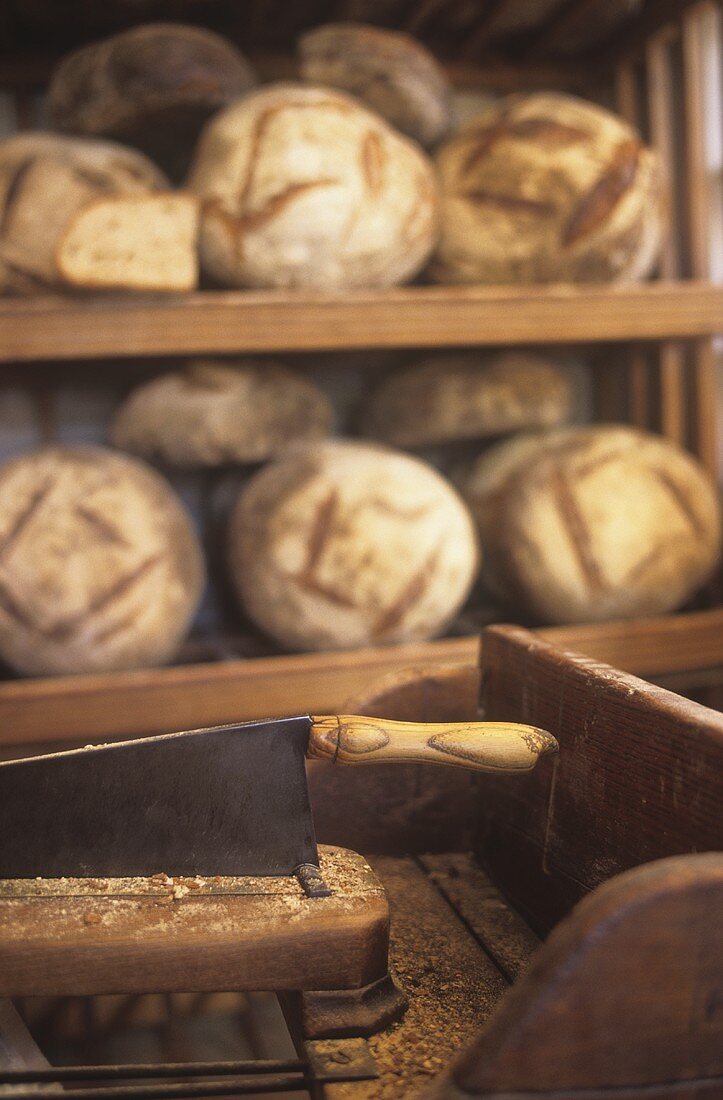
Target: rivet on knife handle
{"x":482,"y":746}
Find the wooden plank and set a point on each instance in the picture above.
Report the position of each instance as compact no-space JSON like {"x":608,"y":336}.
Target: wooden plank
{"x":135,"y":936}
{"x":478,"y":902}
{"x":229,"y":321}
{"x":699,"y":21}
{"x":639,"y":775}
{"x":671,"y":354}
{"x":184,"y":697}
{"x":452,"y":986}
{"x":639,"y":390}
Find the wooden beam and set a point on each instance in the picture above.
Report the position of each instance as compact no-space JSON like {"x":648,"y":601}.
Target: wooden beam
{"x":405,"y":317}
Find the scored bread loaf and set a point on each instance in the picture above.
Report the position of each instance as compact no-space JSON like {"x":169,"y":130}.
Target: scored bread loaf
{"x":100,"y":567}
{"x":339,"y":544}
{"x":303,"y":187}
{"x":212,"y":413}
{"x":75,"y":212}
{"x":152,"y":86}
{"x":546,"y":187}
{"x":456,"y":395}
{"x":594,"y":523}
{"x":389,"y":71}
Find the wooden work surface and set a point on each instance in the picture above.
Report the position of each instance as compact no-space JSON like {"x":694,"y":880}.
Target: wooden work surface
{"x":84,"y":936}
{"x":453,"y":972}
{"x":253,"y":321}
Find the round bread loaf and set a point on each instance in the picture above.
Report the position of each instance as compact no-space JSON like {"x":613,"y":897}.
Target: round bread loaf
{"x":389,"y":71}
{"x":543,"y":188}
{"x":455,"y":396}
{"x":47,"y":182}
{"x":588,"y":524}
{"x":212,"y":413}
{"x":153,"y":86}
{"x":100,"y":567}
{"x":338,"y":545}
{"x":304,"y":187}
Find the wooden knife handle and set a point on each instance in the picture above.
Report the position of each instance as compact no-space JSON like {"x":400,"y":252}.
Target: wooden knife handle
{"x":481,"y":746}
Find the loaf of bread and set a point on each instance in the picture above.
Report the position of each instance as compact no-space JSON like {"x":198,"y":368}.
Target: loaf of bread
{"x":213,"y":413}
{"x":544,"y":188}
{"x":152,"y":86}
{"x":389,"y":71}
{"x":303,"y":187}
{"x":339,"y":544}
{"x":91,"y":214}
{"x":100,"y":567}
{"x":457,"y":395}
{"x":594,"y":523}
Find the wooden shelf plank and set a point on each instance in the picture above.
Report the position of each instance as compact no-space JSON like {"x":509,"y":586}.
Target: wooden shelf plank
{"x":94,"y":707}
{"x":254,"y":321}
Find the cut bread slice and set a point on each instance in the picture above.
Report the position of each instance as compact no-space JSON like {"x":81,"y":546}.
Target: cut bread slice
{"x":132,"y":242}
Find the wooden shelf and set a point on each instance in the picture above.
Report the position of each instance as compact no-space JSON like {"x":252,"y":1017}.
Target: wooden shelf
{"x":94,"y":707}
{"x":256,"y":321}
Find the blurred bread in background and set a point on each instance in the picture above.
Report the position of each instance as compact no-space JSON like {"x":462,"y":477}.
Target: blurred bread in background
{"x":339,"y":544}
{"x":468,"y":395}
{"x":100,"y":566}
{"x":78,"y":213}
{"x":153,"y":86}
{"x":547,"y":187}
{"x":389,"y":71}
{"x":592,"y":523}
{"x":303,"y":187}
{"x":212,"y":413}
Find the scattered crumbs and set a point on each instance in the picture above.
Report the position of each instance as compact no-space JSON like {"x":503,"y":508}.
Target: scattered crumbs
{"x":180,"y":891}
{"x":162,"y":879}
{"x":92,"y":918}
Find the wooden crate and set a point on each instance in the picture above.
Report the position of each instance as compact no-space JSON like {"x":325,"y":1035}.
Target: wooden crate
{"x":653,"y":364}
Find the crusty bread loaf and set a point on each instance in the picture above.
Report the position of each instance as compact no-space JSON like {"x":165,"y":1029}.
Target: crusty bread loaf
{"x":338,"y":545}
{"x":457,"y":395}
{"x":152,"y":86}
{"x":212,"y":413}
{"x":595,"y":523}
{"x":544,"y":188}
{"x":389,"y":71}
{"x":303,"y":187}
{"x":100,"y":567}
{"x":90,"y":214}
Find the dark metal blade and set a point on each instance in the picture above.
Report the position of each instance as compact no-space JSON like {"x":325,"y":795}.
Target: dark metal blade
{"x":230,"y":800}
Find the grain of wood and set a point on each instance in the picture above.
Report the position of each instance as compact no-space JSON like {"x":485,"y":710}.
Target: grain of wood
{"x":81,"y":708}
{"x":639,"y":775}
{"x":175,"y":938}
{"x":241,"y":321}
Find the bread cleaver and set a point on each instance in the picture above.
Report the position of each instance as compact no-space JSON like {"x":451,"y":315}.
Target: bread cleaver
{"x":227,"y":800}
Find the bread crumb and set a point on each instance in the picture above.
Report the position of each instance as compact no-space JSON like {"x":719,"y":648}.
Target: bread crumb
{"x":92,"y":918}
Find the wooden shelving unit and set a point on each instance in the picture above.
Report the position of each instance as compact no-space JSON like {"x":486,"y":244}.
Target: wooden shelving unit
{"x":652,"y":67}
{"x":269,"y":321}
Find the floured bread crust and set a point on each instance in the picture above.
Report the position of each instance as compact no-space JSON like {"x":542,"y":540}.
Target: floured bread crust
{"x":390,"y":72}
{"x":213,"y":413}
{"x":338,"y":545}
{"x":303,"y":187}
{"x":595,"y":523}
{"x":460,"y":395}
{"x":100,"y":567}
{"x":548,"y":188}
{"x":152,"y":86}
